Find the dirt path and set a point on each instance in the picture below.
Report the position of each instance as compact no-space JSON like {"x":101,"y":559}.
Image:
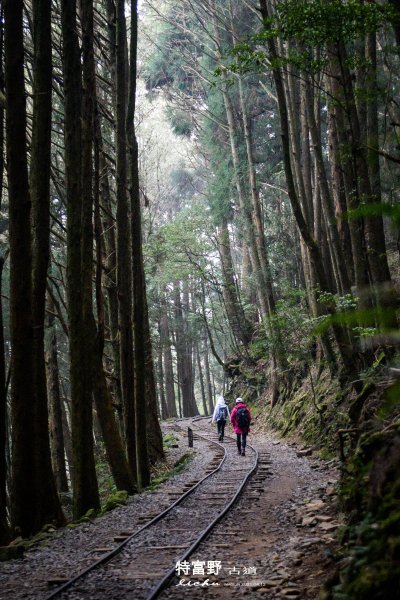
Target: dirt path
{"x":278,"y":541}
{"x":275,"y":543}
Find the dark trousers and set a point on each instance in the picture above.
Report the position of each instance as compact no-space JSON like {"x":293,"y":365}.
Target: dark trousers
{"x":221,"y":427}
{"x":241,"y":440}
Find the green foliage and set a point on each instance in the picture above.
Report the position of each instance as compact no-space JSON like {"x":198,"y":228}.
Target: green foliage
{"x":346,"y":311}
{"x":163,"y":472}
{"x":119,"y":498}
{"x":317,"y":22}
{"x":166,"y":67}
{"x":181,"y":247}
{"x":313,"y":24}
{"x":372,"y":488}
{"x":180,"y":122}
{"x":296,"y":328}
{"x":169,"y":440}
{"x":372,"y":209}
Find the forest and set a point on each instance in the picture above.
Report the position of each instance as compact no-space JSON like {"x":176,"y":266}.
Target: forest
{"x":199,"y":198}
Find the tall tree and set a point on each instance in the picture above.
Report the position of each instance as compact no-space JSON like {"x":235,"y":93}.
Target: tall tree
{"x":27,"y":515}
{"x":124,"y":261}
{"x":47,"y":500}
{"x":139,"y":284}
{"x":5,"y":533}
{"x":84,"y":475}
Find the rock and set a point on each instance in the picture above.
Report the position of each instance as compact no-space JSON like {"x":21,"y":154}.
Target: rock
{"x":328,"y":526}
{"x":323,"y":518}
{"x":277,"y":579}
{"x":308,"y":521}
{"x":292,"y":592}
{"x":330,"y":491}
{"x":294,"y":554}
{"x":269,"y":583}
{"x":297,"y":562}
{"x":315,"y":505}
{"x":311,"y":541}
{"x":306,"y":452}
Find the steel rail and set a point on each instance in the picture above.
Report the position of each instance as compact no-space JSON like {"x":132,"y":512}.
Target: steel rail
{"x":204,"y":534}
{"x":115,"y":551}
{"x":165,"y":580}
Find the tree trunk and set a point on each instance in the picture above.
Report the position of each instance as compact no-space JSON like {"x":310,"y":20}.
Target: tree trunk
{"x":110,"y":272}
{"x":76,"y":149}
{"x":241,"y":329}
{"x":339,"y":196}
{"x":48,"y":501}
{"x":374,"y":232}
{"x":356,"y":226}
{"x":201,"y":381}
{"x":327,"y":202}
{"x":345,"y":349}
{"x":55,"y":409}
{"x":113,"y":441}
{"x":139,"y":283}
{"x":5,"y":534}
{"x":24,"y":482}
{"x":168,"y":362}
{"x":208,"y":377}
{"x":160,"y":378}
{"x":386,"y":292}
{"x":67,"y":437}
{"x":154,"y":436}
{"x":184,"y":356}
{"x":124,"y":259}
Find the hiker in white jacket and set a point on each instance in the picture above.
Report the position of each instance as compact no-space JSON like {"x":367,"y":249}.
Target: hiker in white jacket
{"x":221,"y":416}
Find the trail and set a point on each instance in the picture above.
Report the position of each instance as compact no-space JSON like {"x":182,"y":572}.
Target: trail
{"x":283,"y":527}
{"x":276,"y":542}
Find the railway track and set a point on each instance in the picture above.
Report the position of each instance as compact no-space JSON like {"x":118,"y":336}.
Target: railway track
{"x":143,"y":563}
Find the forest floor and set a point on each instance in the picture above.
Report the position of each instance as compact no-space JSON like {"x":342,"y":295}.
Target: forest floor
{"x":277,"y":542}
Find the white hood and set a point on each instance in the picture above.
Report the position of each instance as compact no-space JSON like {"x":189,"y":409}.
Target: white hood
{"x":220,"y":402}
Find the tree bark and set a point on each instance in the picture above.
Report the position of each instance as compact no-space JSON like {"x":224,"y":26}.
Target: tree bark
{"x":374,"y":233}
{"x":327,"y":202}
{"x":208,"y":377}
{"x":124,"y":257}
{"x":113,"y":441}
{"x":241,"y":329}
{"x":85,"y":488}
{"x":24,"y":482}
{"x":168,"y":362}
{"x":48,"y":501}
{"x":201,"y":381}
{"x":139,"y":284}
{"x":161,"y":379}
{"x":184,"y":350}
{"x":5,"y":534}
{"x":154,"y":436}
{"x":55,"y":408}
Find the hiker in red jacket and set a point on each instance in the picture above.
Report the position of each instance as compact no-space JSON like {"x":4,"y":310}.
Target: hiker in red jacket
{"x":241,"y":419}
